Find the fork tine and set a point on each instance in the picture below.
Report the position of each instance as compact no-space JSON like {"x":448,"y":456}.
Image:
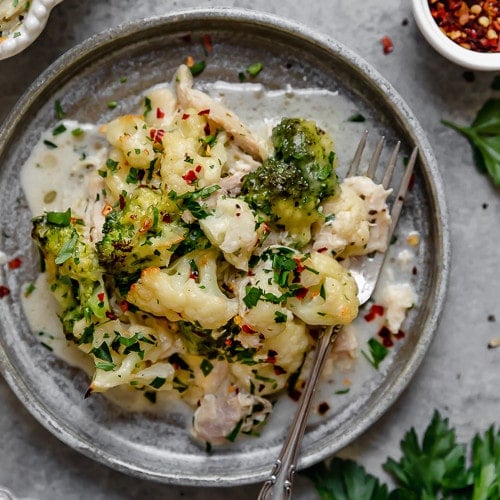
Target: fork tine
{"x":403,"y":188}
{"x":375,"y":158}
{"x":357,"y":155}
{"x":390,"y":166}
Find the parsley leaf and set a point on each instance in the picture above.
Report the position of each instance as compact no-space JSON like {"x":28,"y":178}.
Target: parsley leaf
{"x":377,"y":353}
{"x":435,"y":466}
{"x":345,"y":480}
{"x":484,"y":137}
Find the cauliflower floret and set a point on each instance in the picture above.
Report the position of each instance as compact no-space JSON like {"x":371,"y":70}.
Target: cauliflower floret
{"x":281,"y":355}
{"x":132,"y":136}
{"x":357,"y":219}
{"x":260,"y":307}
{"x":192,"y":159}
{"x":231,"y":227}
{"x":374,"y":197}
{"x":160,"y":106}
{"x":125,"y":354}
{"x":328,"y":295}
{"x":187,"y":290}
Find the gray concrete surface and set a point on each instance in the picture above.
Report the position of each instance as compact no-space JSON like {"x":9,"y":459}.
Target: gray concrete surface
{"x":460,"y":376}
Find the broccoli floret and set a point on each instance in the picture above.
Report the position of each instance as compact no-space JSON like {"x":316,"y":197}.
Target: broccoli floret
{"x":289,"y":186}
{"x":142,"y":231}
{"x":73,"y":268}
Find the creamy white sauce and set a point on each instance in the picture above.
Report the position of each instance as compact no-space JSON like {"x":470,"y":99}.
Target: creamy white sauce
{"x":54,"y":179}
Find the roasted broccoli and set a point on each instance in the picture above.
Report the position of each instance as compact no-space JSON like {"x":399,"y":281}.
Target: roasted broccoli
{"x":140,"y":232}
{"x":72,"y":266}
{"x":289,"y":186}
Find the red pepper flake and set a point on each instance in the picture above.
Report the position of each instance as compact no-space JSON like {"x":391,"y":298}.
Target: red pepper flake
{"x":111,"y":315}
{"x":300,"y":266}
{"x":4,"y":291}
{"x":198,"y":168}
{"x":375,"y":310}
{"x":294,"y":394}
{"x":322,"y":249}
{"x":166,"y":218}
{"x":156,"y":135}
{"x":185,"y":116}
{"x":190,"y":176}
{"x":100,"y":296}
{"x":15,"y":263}
{"x":124,"y":306}
{"x":386,"y":336}
{"x":323,"y":408}
{"x":228,"y":342}
{"x":247,"y":329}
{"x":387,"y":44}
{"x":194,"y":274}
{"x":204,"y":112}
{"x":278,"y":370}
{"x":160,"y":113}
{"x":301,"y":292}
{"x":121,"y":200}
{"x":207,"y":43}
{"x":271,"y":356}
{"x":400,"y":335}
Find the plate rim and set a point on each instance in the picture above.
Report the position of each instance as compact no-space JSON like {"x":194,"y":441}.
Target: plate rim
{"x":75,"y":57}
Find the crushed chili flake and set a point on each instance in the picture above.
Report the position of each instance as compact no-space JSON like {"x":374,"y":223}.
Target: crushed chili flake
{"x":156,"y":134}
{"x":278,"y":370}
{"x":111,"y":315}
{"x":247,"y":329}
{"x":323,"y":408}
{"x":124,"y":306}
{"x":375,"y":310}
{"x":300,"y":265}
{"x":190,"y":176}
{"x":159,"y":113}
{"x":15,"y":263}
{"x":100,"y":296}
{"x":4,"y":291}
{"x":387,"y":44}
{"x":207,"y":43}
{"x":204,"y":112}
{"x":198,"y":168}
{"x":185,"y":116}
{"x":228,"y":342}
{"x":386,"y":336}
{"x":301,"y":292}
{"x":472,"y":24}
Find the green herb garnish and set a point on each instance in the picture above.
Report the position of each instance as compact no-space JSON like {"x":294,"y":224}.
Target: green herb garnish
{"x":484,"y":137}
{"x":255,"y":68}
{"x":377,"y":353}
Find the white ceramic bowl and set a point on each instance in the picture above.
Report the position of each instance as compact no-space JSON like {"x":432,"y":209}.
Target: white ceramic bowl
{"x":481,"y":61}
{"x":30,"y":28}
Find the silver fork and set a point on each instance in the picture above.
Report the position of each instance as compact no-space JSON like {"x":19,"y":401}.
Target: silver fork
{"x":365,"y":270}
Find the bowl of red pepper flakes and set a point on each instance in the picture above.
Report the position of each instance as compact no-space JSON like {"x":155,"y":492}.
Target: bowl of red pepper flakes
{"x":467,"y":32}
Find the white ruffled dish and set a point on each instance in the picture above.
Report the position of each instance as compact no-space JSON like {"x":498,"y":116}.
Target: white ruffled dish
{"x":29,"y":28}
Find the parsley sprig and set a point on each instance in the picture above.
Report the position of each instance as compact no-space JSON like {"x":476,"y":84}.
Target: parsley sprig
{"x":484,"y":137}
{"x":435,"y":468}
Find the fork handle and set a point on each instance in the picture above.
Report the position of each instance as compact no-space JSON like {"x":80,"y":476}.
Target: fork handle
{"x":279,"y":485}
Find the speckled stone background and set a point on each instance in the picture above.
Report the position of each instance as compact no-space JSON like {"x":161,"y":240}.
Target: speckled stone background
{"x":460,"y":376}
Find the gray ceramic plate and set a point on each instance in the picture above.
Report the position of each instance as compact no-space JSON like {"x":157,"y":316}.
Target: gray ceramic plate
{"x":147,"y":52}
